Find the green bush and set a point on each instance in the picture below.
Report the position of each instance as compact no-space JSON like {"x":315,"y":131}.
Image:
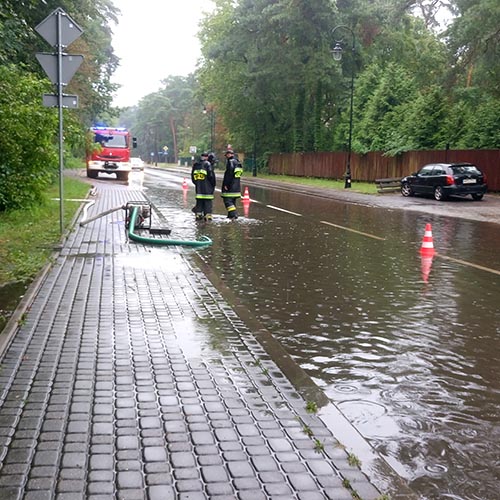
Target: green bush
{"x":28,"y":149}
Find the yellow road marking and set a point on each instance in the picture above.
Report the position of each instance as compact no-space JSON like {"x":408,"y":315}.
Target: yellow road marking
{"x":353,"y":230}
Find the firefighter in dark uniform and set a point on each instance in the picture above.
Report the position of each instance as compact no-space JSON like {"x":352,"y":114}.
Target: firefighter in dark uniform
{"x":231,"y":187}
{"x":203,"y":177}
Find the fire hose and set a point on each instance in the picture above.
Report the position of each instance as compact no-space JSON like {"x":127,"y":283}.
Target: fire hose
{"x":158,"y":241}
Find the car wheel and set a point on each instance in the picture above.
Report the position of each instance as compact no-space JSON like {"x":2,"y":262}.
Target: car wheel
{"x":92,"y":174}
{"x":477,"y":196}
{"x":406,"y":190}
{"x":439,"y":194}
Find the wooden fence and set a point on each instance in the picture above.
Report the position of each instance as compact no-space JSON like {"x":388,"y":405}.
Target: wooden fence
{"x":371,"y":166}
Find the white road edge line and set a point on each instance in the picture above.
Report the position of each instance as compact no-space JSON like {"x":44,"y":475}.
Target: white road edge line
{"x":353,"y":230}
{"x":283,"y":210}
{"x":470,"y":264}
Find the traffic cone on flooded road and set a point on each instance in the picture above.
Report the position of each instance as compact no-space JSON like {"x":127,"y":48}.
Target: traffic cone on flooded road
{"x":427,"y":247}
{"x":425,"y":267}
{"x":185,"y":184}
{"x":246,"y":195}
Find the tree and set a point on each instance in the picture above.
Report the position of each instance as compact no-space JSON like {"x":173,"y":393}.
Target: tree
{"x":268,"y":73}
{"x":407,"y":61}
{"x":19,"y":42}
{"x":384,"y":91}
{"x":171,"y":117}
{"x":29,"y":130}
{"x":474,"y":39}
{"x":263,"y":63}
{"x":425,"y":120}
{"x":27,"y":150}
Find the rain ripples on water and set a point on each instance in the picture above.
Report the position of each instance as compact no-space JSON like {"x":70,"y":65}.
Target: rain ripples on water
{"x":412,"y":362}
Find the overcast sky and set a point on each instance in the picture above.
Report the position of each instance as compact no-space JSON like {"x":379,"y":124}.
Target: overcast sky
{"x":155,"y":39}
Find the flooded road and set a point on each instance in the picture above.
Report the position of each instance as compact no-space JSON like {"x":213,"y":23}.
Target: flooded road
{"x":407,"y":348}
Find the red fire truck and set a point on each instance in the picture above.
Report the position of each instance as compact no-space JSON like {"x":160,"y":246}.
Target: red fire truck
{"x":109,"y":152}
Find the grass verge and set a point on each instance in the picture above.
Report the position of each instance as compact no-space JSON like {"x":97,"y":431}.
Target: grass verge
{"x":28,"y":237}
{"x":358,"y":187}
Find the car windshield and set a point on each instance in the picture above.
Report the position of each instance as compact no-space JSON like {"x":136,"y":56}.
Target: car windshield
{"x":111,"y":141}
{"x":465,"y":169}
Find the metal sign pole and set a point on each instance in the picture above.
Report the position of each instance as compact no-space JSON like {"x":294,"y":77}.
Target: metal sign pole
{"x":59,"y":30}
{"x":61,"y":128}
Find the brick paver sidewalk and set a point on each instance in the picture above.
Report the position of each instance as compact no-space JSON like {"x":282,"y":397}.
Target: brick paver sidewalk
{"x":130,"y":377}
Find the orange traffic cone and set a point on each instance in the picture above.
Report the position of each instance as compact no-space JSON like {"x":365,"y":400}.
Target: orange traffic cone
{"x":246,"y":208}
{"x":427,"y":247}
{"x":246,"y":195}
{"x":425,"y":267}
{"x":185,"y":184}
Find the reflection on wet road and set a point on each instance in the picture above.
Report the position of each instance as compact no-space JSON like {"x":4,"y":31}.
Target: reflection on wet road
{"x":407,"y":349}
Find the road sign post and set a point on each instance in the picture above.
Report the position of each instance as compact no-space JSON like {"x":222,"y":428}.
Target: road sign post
{"x":59,"y":30}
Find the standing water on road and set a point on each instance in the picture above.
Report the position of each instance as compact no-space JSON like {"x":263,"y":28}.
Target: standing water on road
{"x":407,"y":349}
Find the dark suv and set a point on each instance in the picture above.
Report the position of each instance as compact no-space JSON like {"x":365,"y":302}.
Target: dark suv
{"x":446,"y":179}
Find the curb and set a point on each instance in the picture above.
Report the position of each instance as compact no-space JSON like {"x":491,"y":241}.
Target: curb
{"x":10,"y":329}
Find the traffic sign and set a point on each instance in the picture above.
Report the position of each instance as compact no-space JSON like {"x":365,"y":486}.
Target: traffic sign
{"x":52,"y":101}
{"x":69,"y":64}
{"x":59,"y":30}
{"x":48,"y":28}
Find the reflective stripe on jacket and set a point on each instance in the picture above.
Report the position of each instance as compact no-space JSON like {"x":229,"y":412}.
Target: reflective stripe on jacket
{"x":231,"y":184}
{"x":203,"y":177}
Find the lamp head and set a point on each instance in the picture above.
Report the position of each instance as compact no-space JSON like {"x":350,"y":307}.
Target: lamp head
{"x":337,"y":52}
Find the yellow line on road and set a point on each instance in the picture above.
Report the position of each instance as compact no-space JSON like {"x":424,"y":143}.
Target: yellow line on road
{"x":470,"y":264}
{"x":353,"y":230}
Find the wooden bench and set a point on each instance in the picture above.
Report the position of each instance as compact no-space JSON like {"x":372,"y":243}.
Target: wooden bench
{"x":387,"y":185}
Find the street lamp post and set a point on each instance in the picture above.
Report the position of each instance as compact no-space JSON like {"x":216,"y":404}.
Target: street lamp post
{"x":337,"y":56}
{"x":211,"y":112}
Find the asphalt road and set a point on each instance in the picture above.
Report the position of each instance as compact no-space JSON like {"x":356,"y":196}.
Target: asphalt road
{"x":486,"y":210}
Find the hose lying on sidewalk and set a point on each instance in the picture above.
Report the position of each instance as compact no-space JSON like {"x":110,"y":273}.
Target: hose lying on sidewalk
{"x":158,"y":241}
{"x":98,"y":216}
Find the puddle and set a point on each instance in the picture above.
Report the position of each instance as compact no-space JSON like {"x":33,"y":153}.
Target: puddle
{"x":10,"y":296}
{"x":152,"y":258}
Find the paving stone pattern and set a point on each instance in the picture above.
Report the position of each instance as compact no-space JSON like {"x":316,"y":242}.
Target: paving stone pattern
{"x":131,"y":378}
